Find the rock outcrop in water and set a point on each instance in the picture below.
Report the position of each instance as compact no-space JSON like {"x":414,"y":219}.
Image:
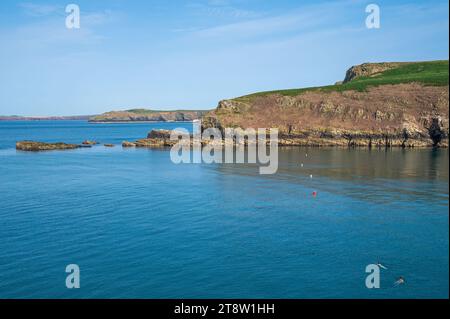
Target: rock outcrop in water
{"x":159,"y":134}
{"x":128,"y":144}
{"x":40,"y":146}
{"x":155,"y":138}
{"x":88,"y":142}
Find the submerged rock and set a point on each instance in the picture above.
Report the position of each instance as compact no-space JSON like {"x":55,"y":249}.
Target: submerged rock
{"x":87,"y":142}
{"x":128,"y":144}
{"x":40,"y":146}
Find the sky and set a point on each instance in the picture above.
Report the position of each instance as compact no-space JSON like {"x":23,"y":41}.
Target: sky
{"x":167,"y":55}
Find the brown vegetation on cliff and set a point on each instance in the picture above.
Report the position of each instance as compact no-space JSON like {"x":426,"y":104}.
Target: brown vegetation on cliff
{"x":401,"y":114}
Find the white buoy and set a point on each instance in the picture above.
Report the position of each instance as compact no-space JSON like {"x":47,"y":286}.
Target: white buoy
{"x":310,"y":176}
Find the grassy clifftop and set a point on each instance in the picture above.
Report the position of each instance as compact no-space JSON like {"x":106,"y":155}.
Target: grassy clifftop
{"x":433,"y":73}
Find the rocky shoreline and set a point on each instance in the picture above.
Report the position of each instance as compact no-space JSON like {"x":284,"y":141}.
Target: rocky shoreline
{"x":161,"y":139}
{"x":435,"y":137}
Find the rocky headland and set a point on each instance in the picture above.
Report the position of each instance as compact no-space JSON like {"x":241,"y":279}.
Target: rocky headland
{"x":377,"y":105}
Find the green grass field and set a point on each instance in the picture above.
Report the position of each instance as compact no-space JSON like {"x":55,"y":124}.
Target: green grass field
{"x":428,"y":73}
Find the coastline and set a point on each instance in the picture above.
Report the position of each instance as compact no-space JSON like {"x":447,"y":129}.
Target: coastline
{"x":161,"y":138}
{"x":84,"y":120}
{"x":125,"y":122}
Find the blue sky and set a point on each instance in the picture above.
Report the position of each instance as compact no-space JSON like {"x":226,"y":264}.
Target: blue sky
{"x":190,"y":54}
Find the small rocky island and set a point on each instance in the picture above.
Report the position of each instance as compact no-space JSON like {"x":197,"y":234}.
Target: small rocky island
{"x":32,"y":146}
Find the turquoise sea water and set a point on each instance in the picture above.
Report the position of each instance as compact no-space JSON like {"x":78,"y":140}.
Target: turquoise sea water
{"x":140,"y":226}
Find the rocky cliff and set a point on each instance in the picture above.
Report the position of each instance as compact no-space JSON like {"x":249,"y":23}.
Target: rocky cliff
{"x":378,"y":104}
{"x":369,"y":70}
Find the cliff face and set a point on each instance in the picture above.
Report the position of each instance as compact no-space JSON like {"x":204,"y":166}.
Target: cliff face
{"x":140,"y":115}
{"x":397,"y":114}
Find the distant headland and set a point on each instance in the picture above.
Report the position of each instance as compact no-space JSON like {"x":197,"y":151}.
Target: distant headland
{"x":44,"y":118}
{"x":133,"y":115}
{"x":145,"y":115}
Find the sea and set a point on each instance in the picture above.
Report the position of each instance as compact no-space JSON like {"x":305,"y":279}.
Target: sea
{"x":138,"y":225}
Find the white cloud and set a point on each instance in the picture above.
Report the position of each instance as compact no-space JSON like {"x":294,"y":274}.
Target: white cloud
{"x":38,"y":10}
{"x":98,"y":18}
{"x":300,"y":19}
{"x":51,"y":33}
{"x":218,"y":2}
{"x":222,"y":8}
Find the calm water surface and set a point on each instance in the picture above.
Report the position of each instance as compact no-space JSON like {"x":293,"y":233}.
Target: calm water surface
{"x":140,"y":226}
